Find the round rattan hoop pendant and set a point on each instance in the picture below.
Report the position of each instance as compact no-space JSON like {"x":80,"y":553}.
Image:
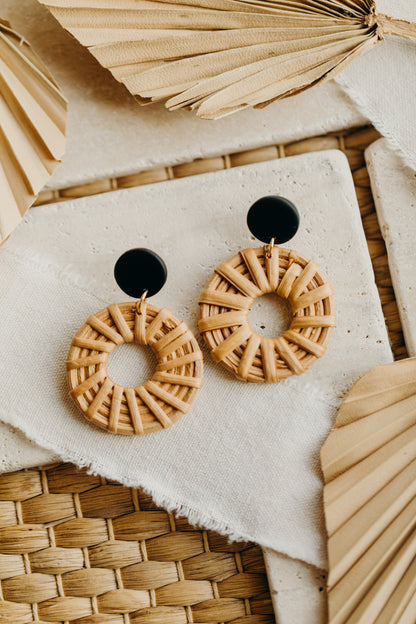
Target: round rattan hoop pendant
{"x":229,"y":295}
{"x":158,"y":403}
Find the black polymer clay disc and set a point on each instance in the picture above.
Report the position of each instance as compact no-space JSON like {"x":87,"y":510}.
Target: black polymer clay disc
{"x":138,"y":270}
{"x":273,"y":217}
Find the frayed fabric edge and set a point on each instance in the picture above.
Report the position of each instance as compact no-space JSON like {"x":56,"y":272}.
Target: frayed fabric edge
{"x":408,"y":158}
{"x":195,"y":517}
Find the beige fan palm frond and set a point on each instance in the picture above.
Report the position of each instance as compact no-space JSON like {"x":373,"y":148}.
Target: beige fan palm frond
{"x":220,"y":56}
{"x":32,"y":127}
{"x":369,"y":466}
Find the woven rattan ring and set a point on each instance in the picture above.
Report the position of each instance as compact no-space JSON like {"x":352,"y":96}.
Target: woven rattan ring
{"x":158,"y":403}
{"x":229,"y":295}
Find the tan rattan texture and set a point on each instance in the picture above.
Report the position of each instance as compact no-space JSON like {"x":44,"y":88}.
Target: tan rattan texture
{"x":158,"y":403}
{"x":229,"y":295}
{"x":75,"y":548}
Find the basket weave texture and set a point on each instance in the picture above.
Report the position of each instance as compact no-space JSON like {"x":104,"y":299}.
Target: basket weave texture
{"x":158,"y":403}
{"x":77,"y":548}
{"x":229,"y":295}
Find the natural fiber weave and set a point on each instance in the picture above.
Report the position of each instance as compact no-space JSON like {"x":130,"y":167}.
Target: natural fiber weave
{"x":75,"y":548}
{"x":158,"y":403}
{"x":229,"y":295}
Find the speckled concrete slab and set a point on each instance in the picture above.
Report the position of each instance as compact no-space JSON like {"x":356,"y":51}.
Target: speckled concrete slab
{"x":109,"y":134}
{"x":297,"y":590}
{"x":394,"y":190}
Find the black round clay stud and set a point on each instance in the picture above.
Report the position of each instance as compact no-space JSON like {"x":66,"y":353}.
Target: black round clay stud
{"x":273,"y":217}
{"x":140,"y":270}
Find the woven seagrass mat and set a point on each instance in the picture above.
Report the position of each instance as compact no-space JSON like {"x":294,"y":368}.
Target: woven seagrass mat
{"x":77,"y":548}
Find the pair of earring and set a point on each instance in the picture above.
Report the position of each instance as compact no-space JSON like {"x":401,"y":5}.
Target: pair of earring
{"x":224,"y":307}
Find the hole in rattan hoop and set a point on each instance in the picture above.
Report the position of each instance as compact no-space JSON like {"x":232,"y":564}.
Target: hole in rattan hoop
{"x":229,"y":295}
{"x":156,"y":404}
{"x":270,"y":315}
{"x":131,"y":364}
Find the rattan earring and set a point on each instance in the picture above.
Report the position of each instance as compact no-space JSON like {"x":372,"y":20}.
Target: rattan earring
{"x":230,"y":293}
{"x":169,"y":394}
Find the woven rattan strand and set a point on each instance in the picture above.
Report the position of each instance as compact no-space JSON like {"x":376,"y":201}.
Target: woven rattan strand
{"x":76,"y":548}
{"x":158,"y":403}
{"x":229,"y":295}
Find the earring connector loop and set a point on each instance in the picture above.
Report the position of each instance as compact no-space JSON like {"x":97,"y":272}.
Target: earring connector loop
{"x":268,"y":248}
{"x":140,"y":302}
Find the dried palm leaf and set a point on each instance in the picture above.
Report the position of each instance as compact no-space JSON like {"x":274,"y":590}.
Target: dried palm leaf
{"x":32,"y":127}
{"x":220,"y":56}
{"x":369,"y":466}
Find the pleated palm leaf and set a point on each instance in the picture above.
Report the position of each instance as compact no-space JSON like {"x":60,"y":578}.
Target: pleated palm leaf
{"x":369,"y":468}
{"x":220,"y":56}
{"x":32,"y":127}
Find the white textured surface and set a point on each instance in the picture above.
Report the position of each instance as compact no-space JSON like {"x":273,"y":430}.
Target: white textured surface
{"x":297,"y":590}
{"x":394,"y":191}
{"x":109,"y":134}
{"x":249,"y":447}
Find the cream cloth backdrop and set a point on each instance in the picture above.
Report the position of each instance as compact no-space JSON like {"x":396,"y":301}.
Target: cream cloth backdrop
{"x":245,"y":460}
{"x":382,"y":83}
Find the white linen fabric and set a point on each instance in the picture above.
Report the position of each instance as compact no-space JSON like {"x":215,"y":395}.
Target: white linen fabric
{"x":382,"y":83}
{"x":245,"y":460}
